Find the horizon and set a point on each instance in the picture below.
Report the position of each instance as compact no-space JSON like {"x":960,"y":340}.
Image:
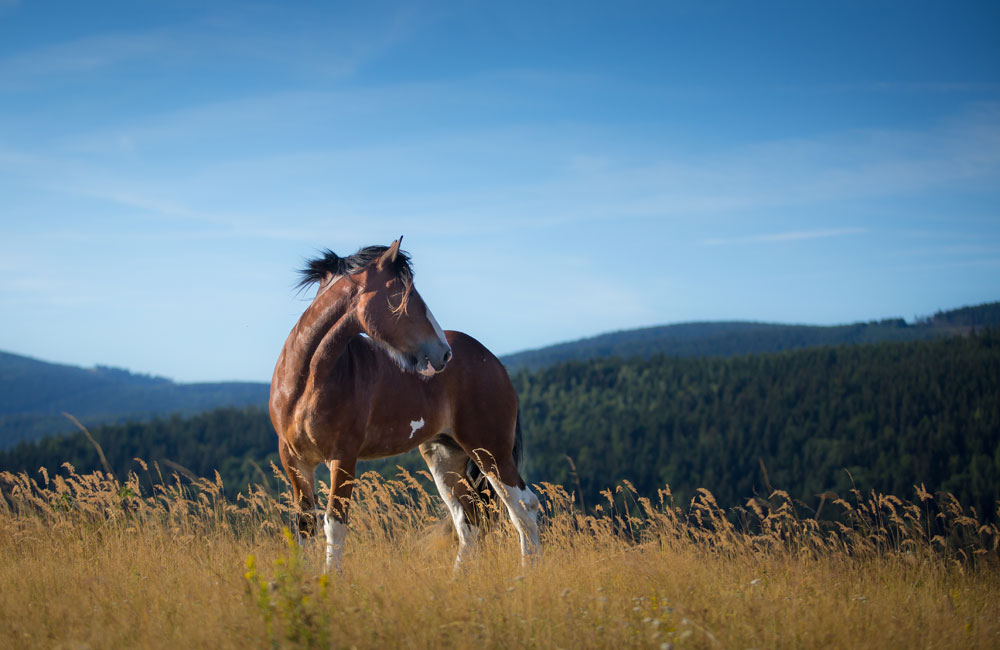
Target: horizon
{"x":557,"y":175}
{"x":909,"y":322}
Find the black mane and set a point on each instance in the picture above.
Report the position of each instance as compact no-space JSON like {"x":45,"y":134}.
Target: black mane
{"x":331,"y":263}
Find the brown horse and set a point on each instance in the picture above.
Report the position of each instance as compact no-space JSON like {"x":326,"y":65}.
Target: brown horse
{"x":368,"y":373}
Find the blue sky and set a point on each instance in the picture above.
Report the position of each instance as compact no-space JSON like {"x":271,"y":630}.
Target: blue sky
{"x":558,"y":169}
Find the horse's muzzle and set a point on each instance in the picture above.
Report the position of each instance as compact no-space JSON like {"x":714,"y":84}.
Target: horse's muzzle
{"x":433,"y":358}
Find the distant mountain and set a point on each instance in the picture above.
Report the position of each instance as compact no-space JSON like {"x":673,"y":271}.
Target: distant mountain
{"x":735,"y":338}
{"x":34,"y":394}
{"x":882,"y":417}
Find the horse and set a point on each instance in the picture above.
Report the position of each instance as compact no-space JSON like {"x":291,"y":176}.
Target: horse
{"x":367,"y":372}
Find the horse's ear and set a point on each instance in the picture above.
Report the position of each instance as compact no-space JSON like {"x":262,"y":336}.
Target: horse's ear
{"x":389,"y":257}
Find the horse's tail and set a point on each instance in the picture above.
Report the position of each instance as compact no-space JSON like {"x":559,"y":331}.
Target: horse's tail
{"x":518,"y":441}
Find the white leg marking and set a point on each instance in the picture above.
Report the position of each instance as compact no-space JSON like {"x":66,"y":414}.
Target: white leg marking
{"x":467,"y":533}
{"x":335,"y":532}
{"x":416,"y":425}
{"x":523,"y":508}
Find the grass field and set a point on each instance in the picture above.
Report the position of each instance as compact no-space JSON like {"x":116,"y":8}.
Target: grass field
{"x":88,"y":562}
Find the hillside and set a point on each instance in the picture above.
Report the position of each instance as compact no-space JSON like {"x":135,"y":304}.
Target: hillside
{"x":879,"y":417}
{"x":734,"y":338}
{"x":34,"y":394}
{"x":885,"y":416}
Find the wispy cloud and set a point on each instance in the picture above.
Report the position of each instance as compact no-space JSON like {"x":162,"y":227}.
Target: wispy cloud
{"x":321,"y":49}
{"x":488,"y":178}
{"x":902,"y":87}
{"x":81,"y":55}
{"x":781,"y":237}
{"x":242,"y":165}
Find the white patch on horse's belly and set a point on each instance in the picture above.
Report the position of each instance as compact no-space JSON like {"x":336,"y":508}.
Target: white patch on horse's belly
{"x":416,"y":425}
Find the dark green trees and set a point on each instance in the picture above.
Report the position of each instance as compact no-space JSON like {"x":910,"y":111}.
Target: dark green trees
{"x":883,"y":416}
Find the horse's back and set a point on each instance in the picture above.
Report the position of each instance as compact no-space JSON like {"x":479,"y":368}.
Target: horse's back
{"x":474,"y":363}
{"x":482,"y":395}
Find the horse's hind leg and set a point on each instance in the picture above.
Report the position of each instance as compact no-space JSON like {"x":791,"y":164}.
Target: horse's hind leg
{"x":447,"y":464}
{"x":521,"y":502}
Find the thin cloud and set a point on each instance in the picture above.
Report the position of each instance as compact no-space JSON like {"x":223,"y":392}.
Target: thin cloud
{"x":83,"y":55}
{"x":790,"y":236}
{"x":206,"y":40}
{"x":909,"y":87}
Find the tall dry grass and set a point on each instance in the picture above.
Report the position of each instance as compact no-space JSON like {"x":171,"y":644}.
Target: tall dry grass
{"x":87,"y":561}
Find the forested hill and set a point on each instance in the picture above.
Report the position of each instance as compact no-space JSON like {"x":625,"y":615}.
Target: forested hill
{"x":882,"y":416}
{"x":34,"y":394}
{"x":739,"y":337}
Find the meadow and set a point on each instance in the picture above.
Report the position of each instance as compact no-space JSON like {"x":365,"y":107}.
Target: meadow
{"x":88,"y":561}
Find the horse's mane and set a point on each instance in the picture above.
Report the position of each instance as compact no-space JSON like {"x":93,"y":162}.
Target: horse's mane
{"x":331,"y":263}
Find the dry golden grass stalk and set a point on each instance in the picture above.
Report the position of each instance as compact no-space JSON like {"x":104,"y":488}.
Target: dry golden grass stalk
{"x":88,"y":561}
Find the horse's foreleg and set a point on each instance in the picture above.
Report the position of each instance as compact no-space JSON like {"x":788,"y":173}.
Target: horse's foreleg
{"x":335,"y":520}
{"x":300,"y":475}
{"x":447,"y":466}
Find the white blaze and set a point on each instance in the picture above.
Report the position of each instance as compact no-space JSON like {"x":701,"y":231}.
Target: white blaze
{"x":416,"y":425}
{"x":437,"y":328}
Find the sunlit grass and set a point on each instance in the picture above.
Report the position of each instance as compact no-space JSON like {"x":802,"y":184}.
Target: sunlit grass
{"x":87,"y":561}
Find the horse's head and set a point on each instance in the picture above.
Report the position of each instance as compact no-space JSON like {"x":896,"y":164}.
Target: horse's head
{"x":392,"y":313}
{"x":378,"y":282}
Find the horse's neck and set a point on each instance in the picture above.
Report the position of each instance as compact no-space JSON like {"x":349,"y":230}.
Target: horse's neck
{"x":322,"y":335}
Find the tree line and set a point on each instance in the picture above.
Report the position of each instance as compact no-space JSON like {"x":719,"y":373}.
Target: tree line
{"x":881,"y":417}
{"x":736,"y":338}
{"x":886,"y":417}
